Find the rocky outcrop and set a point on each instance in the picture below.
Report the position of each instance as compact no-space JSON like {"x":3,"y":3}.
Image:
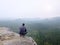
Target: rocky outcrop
{"x":11,"y":38}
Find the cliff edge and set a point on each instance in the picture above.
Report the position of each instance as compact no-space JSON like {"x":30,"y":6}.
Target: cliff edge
{"x":8,"y":37}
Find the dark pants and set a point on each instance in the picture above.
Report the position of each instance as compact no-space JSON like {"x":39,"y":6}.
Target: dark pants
{"x":23,"y":33}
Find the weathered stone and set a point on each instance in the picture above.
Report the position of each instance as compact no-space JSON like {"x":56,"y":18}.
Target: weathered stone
{"x":10,"y":38}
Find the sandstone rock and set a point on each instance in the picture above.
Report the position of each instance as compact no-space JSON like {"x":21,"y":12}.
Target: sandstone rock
{"x":10,"y":38}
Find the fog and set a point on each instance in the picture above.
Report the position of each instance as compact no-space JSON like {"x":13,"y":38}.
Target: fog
{"x":14,"y":9}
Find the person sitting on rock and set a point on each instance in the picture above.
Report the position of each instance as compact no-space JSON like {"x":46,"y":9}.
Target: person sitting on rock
{"x":23,"y":30}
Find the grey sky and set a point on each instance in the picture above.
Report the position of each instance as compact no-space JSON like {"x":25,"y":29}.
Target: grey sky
{"x":12,"y":9}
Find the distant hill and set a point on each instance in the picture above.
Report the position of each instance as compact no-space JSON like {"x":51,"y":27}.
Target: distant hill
{"x":32,"y":24}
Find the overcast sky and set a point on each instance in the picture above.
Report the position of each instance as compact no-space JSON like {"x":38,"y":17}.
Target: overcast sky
{"x":12,"y":9}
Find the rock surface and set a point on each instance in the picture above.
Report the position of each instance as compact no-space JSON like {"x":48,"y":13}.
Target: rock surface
{"x":11,"y":38}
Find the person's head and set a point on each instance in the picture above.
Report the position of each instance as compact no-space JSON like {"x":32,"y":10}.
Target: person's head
{"x":23,"y":24}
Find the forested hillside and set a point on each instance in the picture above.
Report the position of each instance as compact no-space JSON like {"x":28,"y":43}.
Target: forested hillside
{"x":44,"y":32}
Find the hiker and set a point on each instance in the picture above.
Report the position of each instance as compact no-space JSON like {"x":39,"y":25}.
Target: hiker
{"x":23,"y":30}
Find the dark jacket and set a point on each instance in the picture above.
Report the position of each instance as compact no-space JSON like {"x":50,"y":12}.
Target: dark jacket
{"x":23,"y":30}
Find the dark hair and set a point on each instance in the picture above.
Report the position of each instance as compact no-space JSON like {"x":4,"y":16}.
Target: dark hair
{"x":23,"y":24}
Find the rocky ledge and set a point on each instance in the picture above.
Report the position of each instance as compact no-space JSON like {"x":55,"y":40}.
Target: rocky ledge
{"x":8,"y":37}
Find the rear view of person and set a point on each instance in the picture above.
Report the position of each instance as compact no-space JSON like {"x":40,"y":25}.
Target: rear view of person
{"x":23,"y":30}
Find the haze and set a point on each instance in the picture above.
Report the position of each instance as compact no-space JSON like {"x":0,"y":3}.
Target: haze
{"x":13,"y":9}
